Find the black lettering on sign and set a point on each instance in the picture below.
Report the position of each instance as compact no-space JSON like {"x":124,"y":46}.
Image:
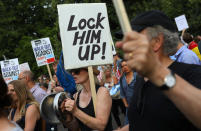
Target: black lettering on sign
{"x":70,"y":26}
{"x":43,"y":52}
{"x":6,"y":69}
{"x":82,"y":26}
{"x":37,"y":42}
{"x":88,"y":36}
{"x":15,"y":67}
{"x":95,"y":36}
{"x":38,"y":48}
{"x":76,"y":37}
{"x":103,"y":50}
{"x":47,"y":47}
{"x":98,"y":22}
{"x":88,"y":23}
{"x":86,"y":54}
{"x":11,"y":73}
{"x":95,"y":50}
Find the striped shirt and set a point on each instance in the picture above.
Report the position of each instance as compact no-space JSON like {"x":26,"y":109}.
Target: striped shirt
{"x":38,"y":93}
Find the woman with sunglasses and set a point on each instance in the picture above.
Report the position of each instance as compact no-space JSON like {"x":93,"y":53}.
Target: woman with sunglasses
{"x":82,"y":107}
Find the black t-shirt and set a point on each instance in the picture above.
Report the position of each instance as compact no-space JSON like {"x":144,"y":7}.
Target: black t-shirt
{"x":151,"y":110}
{"x":89,"y":109}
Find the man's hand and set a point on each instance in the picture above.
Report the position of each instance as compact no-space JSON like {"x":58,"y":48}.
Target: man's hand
{"x":58,"y":89}
{"x":140,"y":56}
{"x":138,"y":53}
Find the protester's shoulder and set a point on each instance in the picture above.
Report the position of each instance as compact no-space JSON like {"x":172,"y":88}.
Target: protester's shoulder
{"x":41,"y":90}
{"x":103,"y":91}
{"x":189,"y":53}
{"x":189,"y":57}
{"x":32,"y":107}
{"x":194,"y":69}
{"x":122,"y":76}
{"x":191,"y":73}
{"x":185,"y":67}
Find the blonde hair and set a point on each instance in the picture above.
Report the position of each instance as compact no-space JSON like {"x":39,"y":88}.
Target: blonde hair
{"x":24,"y":96}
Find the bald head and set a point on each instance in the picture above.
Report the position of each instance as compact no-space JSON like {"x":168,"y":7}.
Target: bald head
{"x":27,"y":75}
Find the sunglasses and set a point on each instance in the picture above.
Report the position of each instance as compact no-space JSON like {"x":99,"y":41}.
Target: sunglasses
{"x":77,"y":71}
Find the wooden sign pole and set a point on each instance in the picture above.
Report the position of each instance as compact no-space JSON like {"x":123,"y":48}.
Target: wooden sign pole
{"x":92,"y":86}
{"x":51,"y":79}
{"x":50,"y":74}
{"x":183,"y":31}
{"x":122,"y":15}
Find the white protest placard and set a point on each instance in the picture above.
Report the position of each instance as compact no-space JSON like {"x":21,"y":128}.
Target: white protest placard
{"x":43,"y":52}
{"x":10,"y":69}
{"x":85,"y":35}
{"x":181,"y":22}
{"x":24,"y":67}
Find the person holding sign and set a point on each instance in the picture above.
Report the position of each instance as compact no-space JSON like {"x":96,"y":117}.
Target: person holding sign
{"x":148,"y":52}
{"x":82,"y":107}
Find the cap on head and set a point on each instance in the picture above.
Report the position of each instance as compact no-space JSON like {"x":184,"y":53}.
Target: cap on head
{"x":149,"y":19}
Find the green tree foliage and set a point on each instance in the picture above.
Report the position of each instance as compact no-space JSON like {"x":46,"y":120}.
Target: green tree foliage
{"x":22,"y":21}
{"x":173,"y":8}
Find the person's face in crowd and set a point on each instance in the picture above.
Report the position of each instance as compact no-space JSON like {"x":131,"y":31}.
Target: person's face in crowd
{"x":12,"y":93}
{"x":80,"y":75}
{"x":55,"y":78}
{"x":22,"y":77}
{"x":115,"y":57}
{"x":125,"y":67}
{"x":47,"y":81}
{"x":54,"y":68}
{"x":40,"y":79}
{"x":108,"y":71}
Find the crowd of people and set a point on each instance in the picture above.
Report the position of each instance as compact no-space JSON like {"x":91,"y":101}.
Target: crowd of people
{"x":157,"y":86}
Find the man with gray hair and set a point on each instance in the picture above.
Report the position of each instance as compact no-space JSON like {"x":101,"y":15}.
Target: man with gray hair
{"x":150,"y":109}
{"x":28,"y":78}
{"x":185,"y":55}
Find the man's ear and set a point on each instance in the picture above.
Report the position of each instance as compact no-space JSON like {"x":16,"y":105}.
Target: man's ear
{"x":158,"y":41}
{"x":27,"y":78}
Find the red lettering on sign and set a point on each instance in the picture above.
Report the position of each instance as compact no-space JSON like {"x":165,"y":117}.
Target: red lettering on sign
{"x":51,"y":60}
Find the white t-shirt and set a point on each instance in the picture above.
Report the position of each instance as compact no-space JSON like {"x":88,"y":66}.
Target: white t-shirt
{"x":17,"y":127}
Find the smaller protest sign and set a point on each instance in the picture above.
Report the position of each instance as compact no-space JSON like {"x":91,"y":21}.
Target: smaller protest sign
{"x":10,"y":69}
{"x":181,"y":22}
{"x":43,"y":52}
{"x":24,"y":67}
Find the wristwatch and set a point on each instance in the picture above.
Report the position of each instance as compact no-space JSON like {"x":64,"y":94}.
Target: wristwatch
{"x":169,"y":81}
